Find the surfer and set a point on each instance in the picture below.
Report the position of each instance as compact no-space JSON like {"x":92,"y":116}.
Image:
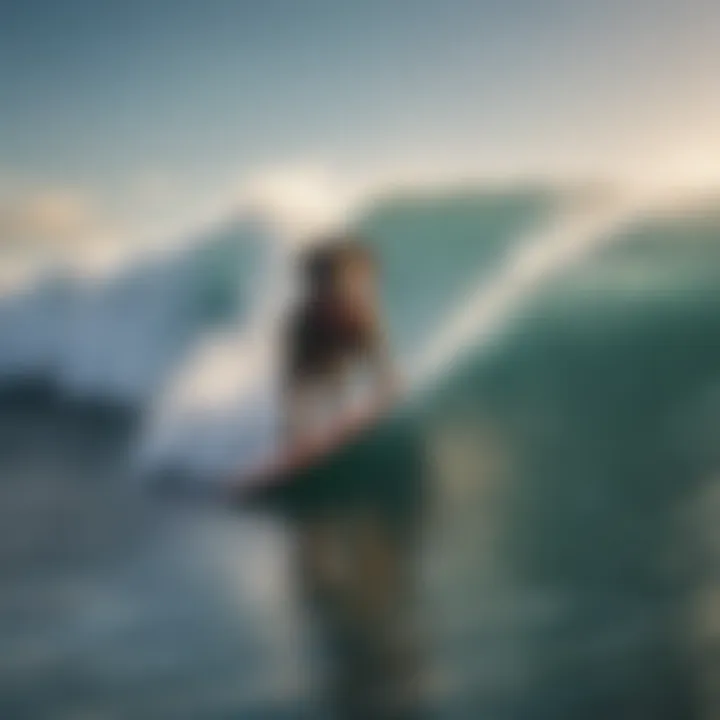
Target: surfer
{"x":353,"y":566}
{"x":334,"y":339}
{"x":333,"y":335}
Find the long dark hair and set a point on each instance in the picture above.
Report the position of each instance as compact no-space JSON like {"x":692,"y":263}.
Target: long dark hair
{"x":321,"y":263}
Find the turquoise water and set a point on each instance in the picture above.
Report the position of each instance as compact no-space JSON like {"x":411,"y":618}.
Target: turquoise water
{"x":551,"y":510}
{"x":435,"y":250}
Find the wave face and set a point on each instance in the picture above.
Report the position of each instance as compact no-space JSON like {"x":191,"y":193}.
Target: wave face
{"x":434,"y":250}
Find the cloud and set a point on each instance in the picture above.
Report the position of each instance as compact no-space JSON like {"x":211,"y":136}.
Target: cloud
{"x":49,"y":220}
{"x":298,"y":199}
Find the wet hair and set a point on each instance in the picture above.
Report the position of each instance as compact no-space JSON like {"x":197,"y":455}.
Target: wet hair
{"x":322,"y":262}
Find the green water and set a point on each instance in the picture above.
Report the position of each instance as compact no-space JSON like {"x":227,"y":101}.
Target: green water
{"x":551,"y":512}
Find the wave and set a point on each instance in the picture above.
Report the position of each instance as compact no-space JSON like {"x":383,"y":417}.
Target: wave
{"x":190,"y":337}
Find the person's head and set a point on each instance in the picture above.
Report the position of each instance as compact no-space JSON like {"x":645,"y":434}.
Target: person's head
{"x":344,"y":269}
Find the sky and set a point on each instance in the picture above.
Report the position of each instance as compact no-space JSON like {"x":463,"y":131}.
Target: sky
{"x":121,"y":118}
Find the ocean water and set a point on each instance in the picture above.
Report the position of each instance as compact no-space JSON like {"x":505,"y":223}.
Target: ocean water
{"x":549,"y":490}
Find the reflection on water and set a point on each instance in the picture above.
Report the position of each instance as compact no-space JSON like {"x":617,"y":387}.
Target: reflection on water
{"x":560,"y":562}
